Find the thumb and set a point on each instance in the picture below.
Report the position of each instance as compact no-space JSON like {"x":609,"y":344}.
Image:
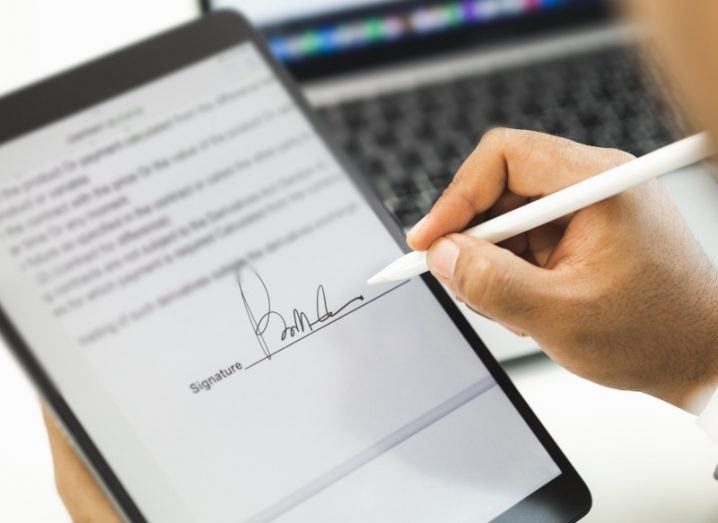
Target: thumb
{"x":492,"y":281}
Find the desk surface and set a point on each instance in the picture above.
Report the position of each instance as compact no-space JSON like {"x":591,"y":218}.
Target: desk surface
{"x":643,"y":460}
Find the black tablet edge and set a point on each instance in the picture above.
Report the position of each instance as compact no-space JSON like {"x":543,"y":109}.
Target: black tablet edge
{"x":114,"y":74}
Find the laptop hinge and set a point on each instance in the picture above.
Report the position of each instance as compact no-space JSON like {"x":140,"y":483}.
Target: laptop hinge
{"x":407,"y":75}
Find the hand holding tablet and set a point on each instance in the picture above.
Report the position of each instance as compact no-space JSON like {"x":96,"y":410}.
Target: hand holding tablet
{"x":177,"y":279}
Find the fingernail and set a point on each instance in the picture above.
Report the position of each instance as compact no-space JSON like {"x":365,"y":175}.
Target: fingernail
{"x":442,"y":258}
{"x":417,"y":227}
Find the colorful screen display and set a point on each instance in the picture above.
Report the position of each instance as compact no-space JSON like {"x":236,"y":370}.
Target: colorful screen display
{"x":373,"y":22}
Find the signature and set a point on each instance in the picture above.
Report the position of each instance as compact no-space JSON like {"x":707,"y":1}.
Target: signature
{"x":299,"y":322}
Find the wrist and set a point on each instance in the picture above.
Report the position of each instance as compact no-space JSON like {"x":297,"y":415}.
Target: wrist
{"x":700,"y":356}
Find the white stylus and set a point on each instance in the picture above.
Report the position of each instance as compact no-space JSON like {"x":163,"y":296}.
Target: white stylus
{"x":573,"y":198}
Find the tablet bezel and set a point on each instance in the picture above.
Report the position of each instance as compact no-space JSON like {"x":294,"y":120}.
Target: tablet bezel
{"x":565,"y":498}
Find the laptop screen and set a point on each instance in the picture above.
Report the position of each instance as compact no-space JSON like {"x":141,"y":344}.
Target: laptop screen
{"x":320,"y":29}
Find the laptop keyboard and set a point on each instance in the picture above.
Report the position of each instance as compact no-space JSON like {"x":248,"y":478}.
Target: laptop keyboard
{"x":410,"y":143}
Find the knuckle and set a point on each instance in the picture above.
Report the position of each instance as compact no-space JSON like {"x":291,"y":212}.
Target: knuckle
{"x":495,"y":135}
{"x":454,"y":194}
{"x":607,"y":158}
{"x":518,"y":143}
{"x":494,"y":291}
{"x":619,"y":156}
{"x":531,"y":144}
{"x":479,"y":280}
{"x":494,"y":283}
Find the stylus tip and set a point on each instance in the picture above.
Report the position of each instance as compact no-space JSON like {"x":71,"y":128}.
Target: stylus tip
{"x":377,"y":278}
{"x":407,"y":266}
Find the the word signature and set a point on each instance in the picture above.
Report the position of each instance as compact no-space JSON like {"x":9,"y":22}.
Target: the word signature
{"x":261,"y":314}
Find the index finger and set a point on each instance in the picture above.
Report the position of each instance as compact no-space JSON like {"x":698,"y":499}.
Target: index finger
{"x":527,"y":163}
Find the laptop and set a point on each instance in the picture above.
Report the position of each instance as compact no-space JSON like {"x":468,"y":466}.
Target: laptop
{"x":409,"y":87}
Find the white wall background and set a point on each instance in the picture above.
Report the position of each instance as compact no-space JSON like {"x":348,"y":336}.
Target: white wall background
{"x":38,"y":37}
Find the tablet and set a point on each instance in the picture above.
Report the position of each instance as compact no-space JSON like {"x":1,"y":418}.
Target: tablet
{"x":182,"y":274}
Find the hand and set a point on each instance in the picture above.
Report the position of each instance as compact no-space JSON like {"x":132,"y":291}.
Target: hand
{"x":83,"y":497}
{"x":619,"y":292}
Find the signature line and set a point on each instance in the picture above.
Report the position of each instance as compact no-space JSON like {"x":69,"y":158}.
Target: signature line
{"x":274,"y":353}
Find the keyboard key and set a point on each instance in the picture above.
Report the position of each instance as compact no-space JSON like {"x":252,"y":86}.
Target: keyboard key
{"x":410,"y":143}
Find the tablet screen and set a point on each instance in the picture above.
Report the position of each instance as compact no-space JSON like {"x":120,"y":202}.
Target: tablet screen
{"x":188,"y":261}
